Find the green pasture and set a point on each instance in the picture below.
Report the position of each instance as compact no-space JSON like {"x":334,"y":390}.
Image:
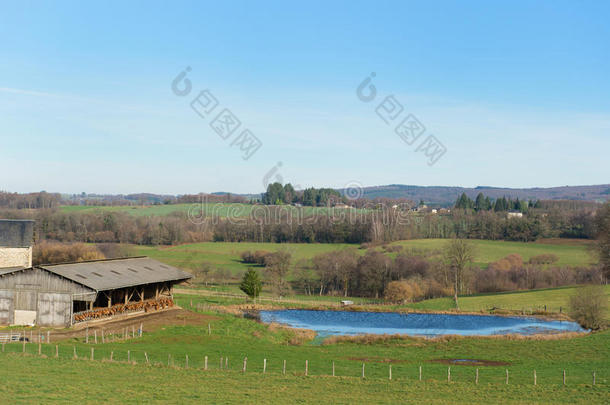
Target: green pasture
{"x":45,"y":379}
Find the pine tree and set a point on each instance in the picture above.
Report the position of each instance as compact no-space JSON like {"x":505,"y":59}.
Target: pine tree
{"x":251,"y":284}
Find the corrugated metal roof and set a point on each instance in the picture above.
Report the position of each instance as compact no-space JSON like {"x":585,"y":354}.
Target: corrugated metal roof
{"x":9,"y":270}
{"x":105,"y":275}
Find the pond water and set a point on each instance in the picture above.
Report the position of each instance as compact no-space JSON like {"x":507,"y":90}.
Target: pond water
{"x":355,"y":323}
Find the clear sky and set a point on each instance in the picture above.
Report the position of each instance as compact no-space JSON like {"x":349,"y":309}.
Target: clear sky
{"x":517,"y":92}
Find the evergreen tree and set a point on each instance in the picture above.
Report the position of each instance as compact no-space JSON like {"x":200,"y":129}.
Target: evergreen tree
{"x":251,"y":284}
{"x":464,"y":202}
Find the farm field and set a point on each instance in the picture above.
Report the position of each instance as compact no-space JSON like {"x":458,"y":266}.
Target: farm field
{"x":226,"y":255}
{"x":570,"y":253}
{"x":555,"y":300}
{"x":223,"y":210}
{"x":37,"y":379}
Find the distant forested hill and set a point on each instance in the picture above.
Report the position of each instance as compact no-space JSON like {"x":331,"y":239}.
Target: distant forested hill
{"x":446,"y":196}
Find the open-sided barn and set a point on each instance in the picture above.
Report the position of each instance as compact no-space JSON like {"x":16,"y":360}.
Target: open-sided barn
{"x":63,"y":294}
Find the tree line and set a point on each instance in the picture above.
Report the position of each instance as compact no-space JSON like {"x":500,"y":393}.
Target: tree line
{"x":412,"y":274}
{"x":278,"y":194}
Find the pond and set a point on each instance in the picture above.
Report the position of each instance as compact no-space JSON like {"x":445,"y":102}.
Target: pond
{"x":327,"y":323}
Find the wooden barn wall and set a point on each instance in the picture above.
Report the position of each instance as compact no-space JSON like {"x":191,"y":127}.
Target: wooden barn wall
{"x":7,"y":310}
{"x":54,"y":309}
{"x":41,"y":280}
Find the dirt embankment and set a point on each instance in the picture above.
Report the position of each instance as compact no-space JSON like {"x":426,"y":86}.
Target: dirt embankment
{"x":150,"y":322}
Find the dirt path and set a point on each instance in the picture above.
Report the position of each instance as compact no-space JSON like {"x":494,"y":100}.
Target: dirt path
{"x":151,"y":321}
{"x":207,"y":293}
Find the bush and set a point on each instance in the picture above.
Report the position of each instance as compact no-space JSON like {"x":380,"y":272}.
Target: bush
{"x":55,"y":252}
{"x":588,"y":307}
{"x":257,"y":257}
{"x":403,"y":291}
{"x":544,"y":259}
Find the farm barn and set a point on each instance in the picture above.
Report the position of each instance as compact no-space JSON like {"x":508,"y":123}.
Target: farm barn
{"x":67,"y":293}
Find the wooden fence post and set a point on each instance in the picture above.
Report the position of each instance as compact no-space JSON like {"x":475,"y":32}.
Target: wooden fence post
{"x":264,"y":366}
{"x":205,"y":363}
{"x":112,"y":355}
{"x":87,"y":335}
{"x":419,"y":373}
{"x":209,"y":329}
{"x":221,"y":362}
{"x":594,"y":378}
{"x":449,"y":374}
{"x":48,"y":336}
{"x":92,"y":353}
{"x":226,"y":362}
{"x":102,"y":335}
{"x":535,"y":377}
{"x":362,"y":370}
{"x":506,"y":376}
{"x":95,"y":336}
{"x":133,"y":331}
{"x":333,"y":368}
{"x":141,"y":328}
{"x":146,"y":355}
{"x":284,"y":369}
{"x":390,"y":372}
{"x":306,"y":367}
{"x":168,"y":357}
{"x":245,"y":364}
{"x":128,"y":356}
{"x":56,"y":351}
{"x":564,"y":377}
{"x":39,"y":348}
{"x":476,"y":378}
{"x":75,"y":356}
{"x":187,"y":361}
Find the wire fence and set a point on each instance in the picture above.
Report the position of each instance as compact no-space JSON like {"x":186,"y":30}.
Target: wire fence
{"x":293,"y":367}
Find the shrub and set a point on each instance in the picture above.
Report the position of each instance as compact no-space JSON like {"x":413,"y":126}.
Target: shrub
{"x":403,"y":291}
{"x":588,"y":307}
{"x":55,"y":252}
{"x":544,"y":259}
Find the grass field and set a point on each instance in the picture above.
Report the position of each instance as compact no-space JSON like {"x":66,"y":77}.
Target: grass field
{"x":575,"y":253}
{"x":36,"y":379}
{"x":555,"y":299}
{"x":226,"y":255}
{"x":551,"y":300}
{"x":223,"y":210}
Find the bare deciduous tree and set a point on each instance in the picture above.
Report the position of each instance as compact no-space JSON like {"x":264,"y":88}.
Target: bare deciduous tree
{"x":458,"y":254}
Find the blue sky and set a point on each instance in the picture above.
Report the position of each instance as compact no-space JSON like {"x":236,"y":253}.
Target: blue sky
{"x":517,"y":92}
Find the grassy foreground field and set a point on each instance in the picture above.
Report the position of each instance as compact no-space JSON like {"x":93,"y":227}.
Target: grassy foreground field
{"x":35,"y":378}
{"x":226,"y":255}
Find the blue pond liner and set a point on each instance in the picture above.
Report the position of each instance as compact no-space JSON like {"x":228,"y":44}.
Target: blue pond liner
{"x":327,"y":323}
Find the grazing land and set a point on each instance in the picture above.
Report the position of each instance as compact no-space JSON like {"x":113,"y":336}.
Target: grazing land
{"x":36,"y":378}
{"x":222,"y":210}
{"x":226,"y":255}
{"x":555,"y":300}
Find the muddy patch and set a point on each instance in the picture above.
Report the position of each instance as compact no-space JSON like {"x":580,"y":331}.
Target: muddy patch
{"x":470,"y":362}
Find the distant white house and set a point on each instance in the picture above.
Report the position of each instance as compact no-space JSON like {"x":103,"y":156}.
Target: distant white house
{"x":514,"y":214}
{"x":341,"y":205}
